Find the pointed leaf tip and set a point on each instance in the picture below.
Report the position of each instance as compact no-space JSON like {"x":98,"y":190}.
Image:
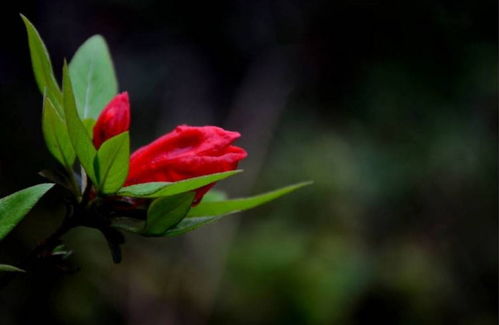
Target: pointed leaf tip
{"x":42,"y":66}
{"x":218,"y":208}
{"x":93,"y":75}
{"x":10,"y":268}
{"x":211,"y":211}
{"x":111,"y":163}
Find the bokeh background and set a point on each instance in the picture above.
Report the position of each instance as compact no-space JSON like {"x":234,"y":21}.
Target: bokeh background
{"x":390,"y":107}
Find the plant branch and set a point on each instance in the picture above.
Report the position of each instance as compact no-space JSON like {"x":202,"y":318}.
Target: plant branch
{"x":44,"y":249}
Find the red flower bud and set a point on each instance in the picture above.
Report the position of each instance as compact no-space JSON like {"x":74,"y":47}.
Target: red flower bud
{"x":186,"y":152}
{"x":113,"y":120}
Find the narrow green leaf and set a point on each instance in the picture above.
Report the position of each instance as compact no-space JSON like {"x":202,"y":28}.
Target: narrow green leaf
{"x":42,"y":67}
{"x":143,"y":190}
{"x":15,"y":206}
{"x":89,"y":124}
{"x":112,"y":162}
{"x":190,"y":224}
{"x":56,"y":135}
{"x":214,"y":195}
{"x":213,"y":209}
{"x":219,"y":208}
{"x":185,"y":225}
{"x":10,"y":268}
{"x":82,"y":143}
{"x":165,"y":212}
{"x":159,"y":189}
{"x":94,"y":79}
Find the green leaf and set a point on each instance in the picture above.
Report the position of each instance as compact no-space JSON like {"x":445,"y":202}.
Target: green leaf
{"x":159,"y":189}
{"x":82,"y":143}
{"x":10,"y":268}
{"x":219,"y":208}
{"x":213,"y":209}
{"x":89,"y":124}
{"x":190,"y":224}
{"x":128,"y":224}
{"x":112,"y":162}
{"x":114,"y":240}
{"x":15,"y":206}
{"x":185,"y":225}
{"x":165,"y":212}
{"x":42,"y":67}
{"x":94,"y":79}
{"x":56,"y":135}
{"x":214,"y":195}
{"x":59,"y":177}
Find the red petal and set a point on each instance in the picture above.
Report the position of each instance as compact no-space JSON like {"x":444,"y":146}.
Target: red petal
{"x":113,"y":120}
{"x":184,"y":153}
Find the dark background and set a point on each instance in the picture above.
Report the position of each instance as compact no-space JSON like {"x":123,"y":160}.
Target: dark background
{"x":390,"y":107}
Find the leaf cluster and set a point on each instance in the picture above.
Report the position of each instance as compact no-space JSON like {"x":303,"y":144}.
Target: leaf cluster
{"x":70,"y":110}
